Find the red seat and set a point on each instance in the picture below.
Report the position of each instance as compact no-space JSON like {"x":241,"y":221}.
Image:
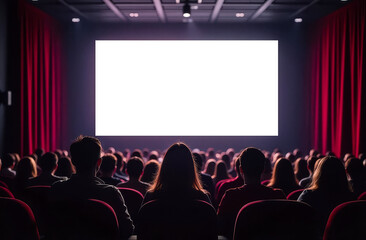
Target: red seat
{"x":265,"y":182}
{"x":2,"y":184}
{"x":37,"y":199}
{"x":91,"y":219}
{"x":133,"y":200}
{"x":362,"y":196}
{"x":347,"y":221}
{"x":17,"y":220}
{"x":167,"y":220}
{"x":4,"y":192}
{"x":277,"y":219}
{"x":295,"y":194}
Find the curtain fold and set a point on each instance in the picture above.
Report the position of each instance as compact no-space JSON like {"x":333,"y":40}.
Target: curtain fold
{"x":40,"y":80}
{"x":338,"y":94}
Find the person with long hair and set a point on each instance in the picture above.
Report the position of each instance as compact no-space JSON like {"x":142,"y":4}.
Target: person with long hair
{"x":220,"y":172}
{"x":283,"y":177}
{"x":301,"y":169}
{"x":177,"y":178}
{"x":26,"y":169}
{"x":150,"y":171}
{"x":329,"y":187}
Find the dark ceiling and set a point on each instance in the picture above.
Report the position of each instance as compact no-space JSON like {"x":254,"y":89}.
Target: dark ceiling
{"x":166,"y":11}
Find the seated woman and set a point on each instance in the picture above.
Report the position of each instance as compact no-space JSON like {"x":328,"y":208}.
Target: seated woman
{"x":177,"y":179}
{"x":329,"y":187}
{"x":283,"y":177}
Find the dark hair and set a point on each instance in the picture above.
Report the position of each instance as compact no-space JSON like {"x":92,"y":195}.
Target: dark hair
{"x":65,"y":167}
{"x":220,"y":171}
{"x":210,"y":167}
{"x":177,"y":171}
{"x":135,"y":166}
{"x":137,"y":153}
{"x":85,"y":152}
{"x":311,"y":163}
{"x":330,"y":175}
{"x":119,"y":156}
{"x":301,"y":170}
{"x":252,"y":162}
{"x":267,"y":166}
{"x":354,"y":168}
{"x":226,"y":160}
{"x":26,"y":169}
{"x":150,"y":171}
{"x":48,"y":162}
{"x":283,"y":175}
{"x":109,"y":163}
{"x":8,"y":160}
{"x":39,"y":152}
{"x":198,"y":160}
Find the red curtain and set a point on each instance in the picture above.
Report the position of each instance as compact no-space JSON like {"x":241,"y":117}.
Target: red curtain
{"x":40,"y":82}
{"x":338,"y":106}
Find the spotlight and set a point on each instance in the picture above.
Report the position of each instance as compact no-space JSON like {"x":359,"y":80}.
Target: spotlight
{"x":186,"y":10}
{"x":75,"y":20}
{"x":298,"y":20}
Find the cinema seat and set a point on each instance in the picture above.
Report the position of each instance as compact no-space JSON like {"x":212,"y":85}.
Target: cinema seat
{"x":295,"y":194}
{"x":347,"y":221}
{"x":17,"y":220}
{"x":2,"y":184}
{"x":165,"y":220}
{"x":362,"y":196}
{"x":277,"y":220}
{"x":4,"y":192}
{"x":133,"y":200}
{"x":91,"y":219}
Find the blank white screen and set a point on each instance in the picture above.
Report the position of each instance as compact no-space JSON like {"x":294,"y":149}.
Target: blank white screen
{"x":186,"y":88}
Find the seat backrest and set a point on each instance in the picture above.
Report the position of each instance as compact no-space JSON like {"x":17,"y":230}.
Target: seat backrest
{"x":362,"y":196}
{"x":160,"y":219}
{"x":265,"y":182}
{"x":277,"y":219}
{"x":295,"y":194}
{"x":37,"y":199}
{"x":347,"y":221}
{"x":4,"y":192}
{"x":17,"y":220}
{"x":133,"y":200}
{"x":91,"y":219}
{"x":2,"y":184}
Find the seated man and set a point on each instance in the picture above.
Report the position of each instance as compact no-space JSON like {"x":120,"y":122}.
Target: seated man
{"x":48,"y":164}
{"x":108,"y":168}
{"x":85,"y":155}
{"x":135,"y":167}
{"x":251,"y":166}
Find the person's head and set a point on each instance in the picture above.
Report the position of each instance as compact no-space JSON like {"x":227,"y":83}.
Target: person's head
{"x":297,"y":153}
{"x":85,"y":154}
{"x":8,"y":161}
{"x":283,"y":174}
{"x":354,"y":168}
{"x":313,"y":152}
{"x":39,"y":152}
{"x":108,"y":165}
{"x":311,"y":163}
{"x":26,"y":168}
{"x":198,"y":160}
{"x":150,"y":171}
{"x":220,"y":170}
{"x":137,"y":153}
{"x":154,"y":155}
{"x":237,"y":166}
{"x":210,"y":167}
{"x":226,"y":159}
{"x":135,"y":167}
{"x":178,"y":170}
{"x":252,"y":163}
{"x":290,"y":157}
{"x":301,"y":169}
{"x":65,"y":167}
{"x":48,"y":162}
{"x":330,"y":175}
{"x":119,"y":156}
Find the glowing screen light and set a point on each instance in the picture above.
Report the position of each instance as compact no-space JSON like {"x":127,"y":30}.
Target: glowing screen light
{"x":186,"y":88}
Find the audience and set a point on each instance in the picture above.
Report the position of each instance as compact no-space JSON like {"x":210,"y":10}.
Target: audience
{"x":150,"y":171}
{"x":251,"y":166}
{"x":65,"y":167}
{"x":206,"y":179}
{"x":283,"y":177}
{"x":329,"y":187}
{"x":210,"y":167}
{"x":305,"y":182}
{"x":108,"y":168}
{"x":86,"y":156}
{"x":135,"y":166}
{"x":26,"y":169}
{"x":48,"y":165}
{"x":120,"y":173}
{"x":177,"y":179}
{"x":220,"y":172}
{"x":301,"y":169}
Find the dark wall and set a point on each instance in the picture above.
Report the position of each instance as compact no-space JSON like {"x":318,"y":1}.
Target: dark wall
{"x":81,"y":86}
{"x":3,"y":52}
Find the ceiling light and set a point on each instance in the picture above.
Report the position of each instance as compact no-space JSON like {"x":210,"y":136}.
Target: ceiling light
{"x":134,"y":14}
{"x":195,"y":7}
{"x":199,"y":1}
{"x":75,"y":20}
{"x":298,"y":20}
{"x":239,"y":15}
{"x":186,"y":10}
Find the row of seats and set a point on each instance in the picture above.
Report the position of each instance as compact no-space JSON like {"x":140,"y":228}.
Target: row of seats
{"x":95,"y":219}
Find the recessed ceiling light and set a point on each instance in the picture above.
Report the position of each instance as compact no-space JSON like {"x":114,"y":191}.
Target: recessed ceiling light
{"x":134,"y":14}
{"x":194,"y":7}
{"x":239,"y":15}
{"x":298,"y":20}
{"x":75,"y":20}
